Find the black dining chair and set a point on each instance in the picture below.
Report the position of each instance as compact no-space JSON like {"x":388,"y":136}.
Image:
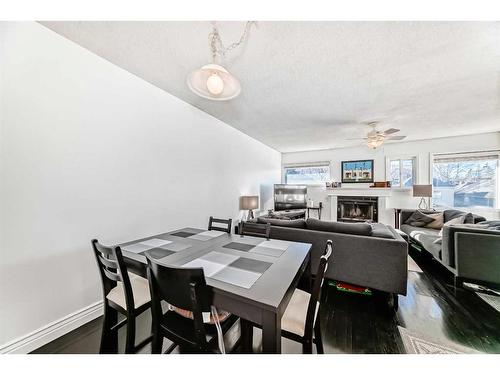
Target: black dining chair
{"x":246,"y":228}
{"x":125,"y":293}
{"x":184,"y":289}
{"x":226,"y":228}
{"x":300,"y":321}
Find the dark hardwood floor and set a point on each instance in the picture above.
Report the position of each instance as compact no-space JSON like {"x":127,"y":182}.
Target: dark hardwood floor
{"x":351,"y":323}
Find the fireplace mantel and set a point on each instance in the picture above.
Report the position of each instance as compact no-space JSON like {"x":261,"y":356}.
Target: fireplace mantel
{"x":366,"y":192}
{"x":381,"y":193}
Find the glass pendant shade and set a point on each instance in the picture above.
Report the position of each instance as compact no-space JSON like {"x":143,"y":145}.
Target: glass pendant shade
{"x":375,"y":142}
{"x":214,"y":82}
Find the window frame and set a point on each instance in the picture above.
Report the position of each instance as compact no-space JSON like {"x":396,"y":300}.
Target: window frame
{"x":416,"y":177}
{"x":307,"y":165}
{"x":432,"y":157}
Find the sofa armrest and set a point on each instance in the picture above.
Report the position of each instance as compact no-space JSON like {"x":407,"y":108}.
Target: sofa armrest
{"x":477,"y":255}
{"x":449,"y":240}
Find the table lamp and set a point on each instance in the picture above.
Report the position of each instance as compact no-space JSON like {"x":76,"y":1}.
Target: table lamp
{"x":422,"y":191}
{"x":249,"y":202}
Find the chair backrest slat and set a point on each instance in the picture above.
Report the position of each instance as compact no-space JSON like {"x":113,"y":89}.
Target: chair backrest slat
{"x":226,"y":228}
{"x":254,"y":229}
{"x":173,"y":284}
{"x":112,"y":269}
{"x":109,"y":263}
{"x":111,"y":275}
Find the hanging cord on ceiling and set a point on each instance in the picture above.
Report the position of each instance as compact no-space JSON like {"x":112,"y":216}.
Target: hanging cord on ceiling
{"x":216,"y":44}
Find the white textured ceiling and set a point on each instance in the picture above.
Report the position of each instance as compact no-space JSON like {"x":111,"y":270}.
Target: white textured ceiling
{"x":308,"y":85}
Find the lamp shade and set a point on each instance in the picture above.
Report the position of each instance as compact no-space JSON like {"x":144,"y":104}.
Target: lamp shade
{"x":249,"y":202}
{"x":422,"y":190}
{"x":214,"y":82}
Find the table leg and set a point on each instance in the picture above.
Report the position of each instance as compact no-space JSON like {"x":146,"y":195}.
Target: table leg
{"x":271,"y":333}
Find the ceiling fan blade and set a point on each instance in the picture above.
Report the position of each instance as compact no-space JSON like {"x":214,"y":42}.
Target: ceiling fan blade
{"x":396,"y":137}
{"x":354,"y":139}
{"x":391,"y":131}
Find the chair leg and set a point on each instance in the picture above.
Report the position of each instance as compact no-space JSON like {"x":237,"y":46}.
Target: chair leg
{"x":317,"y":337}
{"x":307,"y":346}
{"x":109,"y":339}
{"x":130,"y":341}
{"x":157,"y":343}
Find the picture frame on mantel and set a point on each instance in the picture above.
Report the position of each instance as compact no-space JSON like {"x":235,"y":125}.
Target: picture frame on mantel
{"x":357,"y":171}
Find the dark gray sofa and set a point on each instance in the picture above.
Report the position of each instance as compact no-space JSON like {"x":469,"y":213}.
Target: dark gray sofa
{"x":373,"y":256}
{"x":470,"y":251}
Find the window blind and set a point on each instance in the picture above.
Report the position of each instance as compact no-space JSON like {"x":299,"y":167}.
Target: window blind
{"x":465,"y":157}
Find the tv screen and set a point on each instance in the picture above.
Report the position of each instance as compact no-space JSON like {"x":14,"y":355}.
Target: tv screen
{"x":289,"y":197}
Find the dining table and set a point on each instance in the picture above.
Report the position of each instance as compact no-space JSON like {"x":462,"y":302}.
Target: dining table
{"x":251,"y":277}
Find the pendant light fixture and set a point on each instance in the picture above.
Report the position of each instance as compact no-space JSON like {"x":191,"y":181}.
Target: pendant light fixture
{"x":213,"y":81}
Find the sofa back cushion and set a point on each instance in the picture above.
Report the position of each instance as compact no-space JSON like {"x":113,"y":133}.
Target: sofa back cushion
{"x":299,"y":223}
{"x":360,"y":229}
{"x":419,"y":219}
{"x":469,"y":217}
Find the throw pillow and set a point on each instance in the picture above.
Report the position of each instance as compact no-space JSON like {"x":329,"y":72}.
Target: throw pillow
{"x":419,"y":219}
{"x":468,"y":219}
{"x":457,"y":220}
{"x":438,"y":221}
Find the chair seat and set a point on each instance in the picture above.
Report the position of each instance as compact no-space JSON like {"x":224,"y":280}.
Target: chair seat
{"x":294,"y":318}
{"x":140,"y":289}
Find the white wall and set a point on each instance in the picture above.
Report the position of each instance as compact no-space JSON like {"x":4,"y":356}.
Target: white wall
{"x":90,"y":151}
{"x":422,"y":149}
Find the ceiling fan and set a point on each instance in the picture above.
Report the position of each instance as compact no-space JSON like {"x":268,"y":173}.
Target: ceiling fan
{"x":376,"y":138}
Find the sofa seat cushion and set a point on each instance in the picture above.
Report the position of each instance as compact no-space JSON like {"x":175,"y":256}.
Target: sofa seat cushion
{"x":382,"y":231}
{"x":426,"y":237}
{"x":299,"y":223}
{"x":360,"y":229}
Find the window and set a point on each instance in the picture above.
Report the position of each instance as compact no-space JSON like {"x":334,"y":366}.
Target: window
{"x":465,"y":180}
{"x":311,"y":174}
{"x":402,"y":172}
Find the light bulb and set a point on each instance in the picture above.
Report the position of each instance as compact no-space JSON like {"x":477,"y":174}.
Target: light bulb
{"x":215,"y":84}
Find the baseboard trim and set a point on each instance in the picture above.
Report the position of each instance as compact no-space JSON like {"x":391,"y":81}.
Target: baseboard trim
{"x":52,"y":331}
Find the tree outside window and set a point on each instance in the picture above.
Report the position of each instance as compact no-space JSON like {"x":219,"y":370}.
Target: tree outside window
{"x":468,"y":181}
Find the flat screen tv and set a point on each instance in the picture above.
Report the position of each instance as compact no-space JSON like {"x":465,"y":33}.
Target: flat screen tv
{"x":289,"y":197}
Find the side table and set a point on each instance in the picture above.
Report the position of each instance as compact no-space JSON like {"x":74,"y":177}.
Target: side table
{"x":317,"y":209}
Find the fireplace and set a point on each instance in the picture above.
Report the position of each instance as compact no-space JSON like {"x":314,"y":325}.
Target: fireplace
{"x":357,"y":209}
